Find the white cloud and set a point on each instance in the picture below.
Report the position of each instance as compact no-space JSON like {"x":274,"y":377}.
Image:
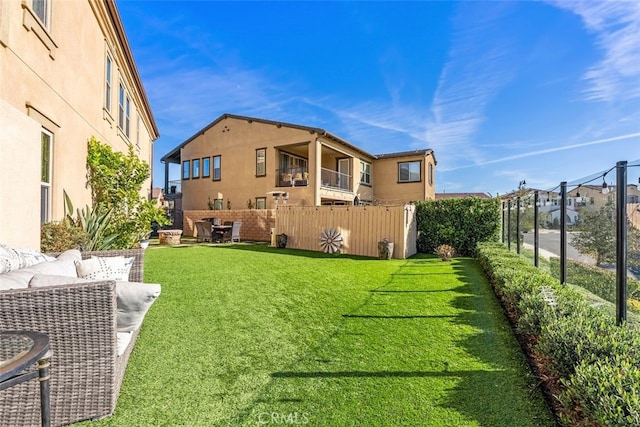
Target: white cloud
{"x":616,"y":25}
{"x":476,"y":70}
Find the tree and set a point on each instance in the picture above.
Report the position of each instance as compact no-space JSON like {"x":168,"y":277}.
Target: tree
{"x":115,"y":180}
{"x":596,"y":236}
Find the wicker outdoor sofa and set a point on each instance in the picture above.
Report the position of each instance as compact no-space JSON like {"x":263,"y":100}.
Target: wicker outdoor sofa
{"x":80,"y":320}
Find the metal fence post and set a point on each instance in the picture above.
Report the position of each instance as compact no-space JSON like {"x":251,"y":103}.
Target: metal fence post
{"x":621,"y":242}
{"x":563,"y":232}
{"x":536,"y":232}
{"x":518,"y":204}
{"x":503,"y":218}
{"x":509,"y":224}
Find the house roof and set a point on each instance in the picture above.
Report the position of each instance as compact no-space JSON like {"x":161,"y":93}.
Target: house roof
{"x":122,"y":38}
{"x":407,"y":154}
{"x":173,"y":156}
{"x":461,"y":195}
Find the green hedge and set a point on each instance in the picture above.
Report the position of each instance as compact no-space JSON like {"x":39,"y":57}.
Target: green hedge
{"x":461,"y":223}
{"x":597,"y":362}
{"x":594,"y":279}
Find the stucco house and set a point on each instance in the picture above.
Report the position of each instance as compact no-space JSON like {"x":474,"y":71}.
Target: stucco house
{"x":239,"y":162}
{"x":67,"y":74}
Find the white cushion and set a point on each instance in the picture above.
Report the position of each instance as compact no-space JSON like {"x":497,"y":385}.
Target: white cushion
{"x":16,"y":279}
{"x":100,"y":268}
{"x":39,"y":280}
{"x":134,"y":300}
{"x":59,"y":267}
{"x":122,"y":341}
{"x":71,"y":254}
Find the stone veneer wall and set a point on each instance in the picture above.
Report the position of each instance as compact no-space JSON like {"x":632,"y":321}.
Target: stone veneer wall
{"x":256,"y":223}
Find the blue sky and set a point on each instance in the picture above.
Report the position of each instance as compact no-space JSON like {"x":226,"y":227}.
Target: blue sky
{"x":542,"y":91}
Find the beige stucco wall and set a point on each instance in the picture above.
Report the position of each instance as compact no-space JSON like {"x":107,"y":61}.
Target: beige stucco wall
{"x":387,"y":189}
{"x":19,"y":179}
{"x":236,"y":139}
{"x":56,"y":77}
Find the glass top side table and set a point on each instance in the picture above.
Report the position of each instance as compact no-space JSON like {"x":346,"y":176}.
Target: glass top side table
{"x":18,"y":351}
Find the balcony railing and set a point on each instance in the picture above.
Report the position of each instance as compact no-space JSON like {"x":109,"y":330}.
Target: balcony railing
{"x":292,"y":177}
{"x":335,"y":179}
{"x":175,"y":187}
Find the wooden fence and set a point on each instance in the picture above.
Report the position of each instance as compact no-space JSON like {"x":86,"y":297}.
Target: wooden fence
{"x":256,"y":223}
{"x":361,"y":227}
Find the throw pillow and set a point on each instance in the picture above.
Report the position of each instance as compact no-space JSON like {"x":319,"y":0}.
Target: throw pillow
{"x":100,"y":268}
{"x":14,"y":258}
{"x":134,"y":300}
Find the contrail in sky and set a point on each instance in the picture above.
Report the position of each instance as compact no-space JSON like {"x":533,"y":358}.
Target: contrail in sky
{"x":548,"y":150}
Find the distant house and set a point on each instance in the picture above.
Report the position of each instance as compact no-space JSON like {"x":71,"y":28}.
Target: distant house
{"x":440,"y":196}
{"x":239,"y":162}
{"x":67,"y":74}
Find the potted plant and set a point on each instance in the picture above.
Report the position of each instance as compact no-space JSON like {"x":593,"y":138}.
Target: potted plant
{"x":385,"y":249}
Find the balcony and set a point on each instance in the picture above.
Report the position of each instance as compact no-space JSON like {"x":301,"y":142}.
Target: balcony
{"x":335,"y":180}
{"x":175,"y":187}
{"x":292,"y":177}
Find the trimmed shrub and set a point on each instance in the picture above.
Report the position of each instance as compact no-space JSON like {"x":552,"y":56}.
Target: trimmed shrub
{"x":606,"y":391}
{"x":461,"y":223}
{"x":60,"y":236}
{"x":597,"y":362}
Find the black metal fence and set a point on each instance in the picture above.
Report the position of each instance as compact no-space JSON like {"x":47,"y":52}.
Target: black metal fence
{"x":586,"y":233}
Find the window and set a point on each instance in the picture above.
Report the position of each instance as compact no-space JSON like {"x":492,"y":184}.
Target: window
{"x":261,"y":162}
{"x":196,"y":168}
{"x":138,"y":132}
{"x":46,"y":140}
{"x":409,"y":171}
{"x":365,"y":173}
{"x":206,"y":167}
{"x":41,"y":9}
{"x":107,"y":90}
{"x":261,"y":203}
{"x":124,"y":110}
{"x":431,"y":174}
{"x":216,"y":168}
{"x":217,"y":204}
{"x":186,"y":165}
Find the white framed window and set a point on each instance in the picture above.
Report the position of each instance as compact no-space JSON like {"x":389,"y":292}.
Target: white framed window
{"x":365,"y":173}
{"x":261,"y":162}
{"x":46,"y":141}
{"x":217,"y":171}
{"x":409,"y":171}
{"x":261,"y":203}
{"x":138,"y":132}
{"x":41,"y":10}
{"x":108,"y":83}
{"x":124,"y":110}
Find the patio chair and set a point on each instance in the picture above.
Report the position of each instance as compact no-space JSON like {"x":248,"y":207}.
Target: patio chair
{"x":203,"y":231}
{"x":235,"y":231}
{"x":227,"y":236}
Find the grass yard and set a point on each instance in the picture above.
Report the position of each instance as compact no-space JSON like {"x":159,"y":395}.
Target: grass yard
{"x":251,"y":335}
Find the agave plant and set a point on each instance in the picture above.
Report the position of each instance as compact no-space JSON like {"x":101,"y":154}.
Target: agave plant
{"x":95,"y":222}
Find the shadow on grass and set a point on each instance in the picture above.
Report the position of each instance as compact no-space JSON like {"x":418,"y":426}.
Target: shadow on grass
{"x":480,"y":393}
{"x":264,"y":248}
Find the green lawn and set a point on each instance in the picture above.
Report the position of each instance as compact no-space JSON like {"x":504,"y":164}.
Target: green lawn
{"x":250,"y":335}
